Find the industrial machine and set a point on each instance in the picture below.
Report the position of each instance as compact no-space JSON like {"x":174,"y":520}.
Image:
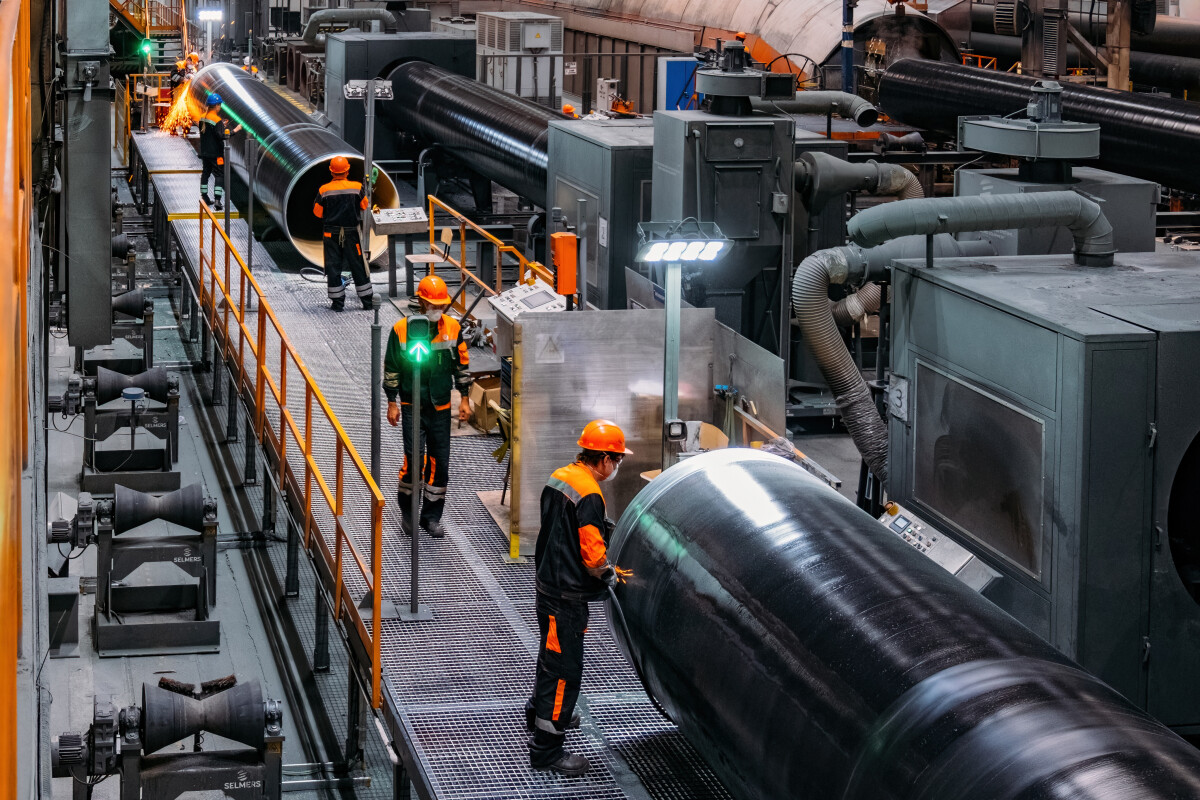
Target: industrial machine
{"x":131,"y":429}
{"x":511,"y":304}
{"x":521,"y":53}
{"x":606,"y":164}
{"x":1042,"y":416}
{"x":1046,"y":146}
{"x":127,"y":742}
{"x":723,"y":165}
{"x":361,"y":56}
{"x":807,"y":652}
{"x":143,"y":542}
{"x":133,"y":321}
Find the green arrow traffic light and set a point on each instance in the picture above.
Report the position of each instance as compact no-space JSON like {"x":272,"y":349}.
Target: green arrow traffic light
{"x":147,"y":47}
{"x":419,"y":335}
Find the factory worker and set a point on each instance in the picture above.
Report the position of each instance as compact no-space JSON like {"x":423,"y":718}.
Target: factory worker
{"x":213,"y":130}
{"x":446,"y":367}
{"x":572,"y":569}
{"x":339,"y":206}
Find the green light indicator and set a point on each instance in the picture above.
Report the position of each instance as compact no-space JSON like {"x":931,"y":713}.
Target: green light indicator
{"x":147,"y":47}
{"x":418,"y":350}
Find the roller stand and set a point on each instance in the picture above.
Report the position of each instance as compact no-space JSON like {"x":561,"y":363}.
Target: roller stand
{"x":158,"y":613}
{"x":124,"y":742}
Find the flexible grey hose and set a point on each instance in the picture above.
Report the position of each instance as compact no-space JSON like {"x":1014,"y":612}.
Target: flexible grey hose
{"x":848,"y":106}
{"x":853,"y":308}
{"x":1091,"y":230}
{"x":810,"y":299}
{"x":312,"y":34}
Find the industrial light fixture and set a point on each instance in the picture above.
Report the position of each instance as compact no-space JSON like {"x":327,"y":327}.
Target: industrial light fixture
{"x":209,"y":15}
{"x":674,"y":244}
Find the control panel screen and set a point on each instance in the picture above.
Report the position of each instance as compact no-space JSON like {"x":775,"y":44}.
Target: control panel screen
{"x":978,"y":461}
{"x":537,"y":299}
{"x":901,"y":523}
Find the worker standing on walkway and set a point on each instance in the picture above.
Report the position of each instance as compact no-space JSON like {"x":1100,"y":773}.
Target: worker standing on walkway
{"x":213,"y":130}
{"x":572,"y":569}
{"x":339,"y":206}
{"x":447,"y":365}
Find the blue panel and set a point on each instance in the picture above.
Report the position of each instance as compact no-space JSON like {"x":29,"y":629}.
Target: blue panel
{"x":681,"y":86}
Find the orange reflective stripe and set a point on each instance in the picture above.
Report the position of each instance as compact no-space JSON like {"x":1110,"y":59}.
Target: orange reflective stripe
{"x":358,"y":248}
{"x":591,"y":547}
{"x":558,"y":698}
{"x":336,"y":186}
{"x":404,"y":468}
{"x":441,"y":408}
{"x":328,"y":235}
{"x":432,"y":469}
{"x":552,"y":637}
{"x":579,"y":479}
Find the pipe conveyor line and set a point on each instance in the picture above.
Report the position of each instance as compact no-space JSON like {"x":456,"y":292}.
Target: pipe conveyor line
{"x":807,"y":652}
{"x":1147,"y":136}
{"x":292,"y":151}
{"x":500,"y":136}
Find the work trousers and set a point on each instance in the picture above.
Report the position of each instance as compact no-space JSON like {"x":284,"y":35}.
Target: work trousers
{"x":216,"y":172}
{"x":435,"y":451}
{"x":343,"y":251}
{"x":561,"y":625}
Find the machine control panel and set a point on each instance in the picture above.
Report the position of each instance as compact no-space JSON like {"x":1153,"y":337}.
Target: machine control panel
{"x":536,"y":296}
{"x":400,"y":221}
{"x":938,"y":547}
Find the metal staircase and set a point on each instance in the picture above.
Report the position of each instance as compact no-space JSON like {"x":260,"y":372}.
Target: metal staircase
{"x":160,"y":22}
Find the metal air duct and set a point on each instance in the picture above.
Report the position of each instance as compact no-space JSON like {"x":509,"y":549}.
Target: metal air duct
{"x":295,"y":154}
{"x":848,"y":106}
{"x":1147,"y":136}
{"x":805,"y":651}
{"x":500,"y":136}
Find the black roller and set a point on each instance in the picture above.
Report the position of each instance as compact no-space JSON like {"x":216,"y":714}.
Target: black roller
{"x":154,"y":382}
{"x":131,"y":303}
{"x":1147,"y":136}
{"x":236,"y":714}
{"x":500,"y":136}
{"x":131,"y":508}
{"x":808,"y":653}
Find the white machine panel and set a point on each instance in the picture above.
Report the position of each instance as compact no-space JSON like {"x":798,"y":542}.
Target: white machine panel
{"x":537,"y":296}
{"x":400,"y":221}
{"x":938,"y":547}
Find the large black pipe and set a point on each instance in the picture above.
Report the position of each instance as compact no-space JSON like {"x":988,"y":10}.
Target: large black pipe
{"x":500,"y":136}
{"x":1145,"y":69}
{"x":807,"y":652}
{"x":1172,"y":36}
{"x":1147,"y":136}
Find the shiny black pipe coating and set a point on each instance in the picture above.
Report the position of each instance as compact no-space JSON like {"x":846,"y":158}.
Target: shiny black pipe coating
{"x":294,"y":154}
{"x":1147,"y":136}
{"x":500,"y":136}
{"x":807,"y":652}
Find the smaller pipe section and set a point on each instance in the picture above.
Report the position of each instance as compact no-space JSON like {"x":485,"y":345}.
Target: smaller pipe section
{"x":1089,"y":227}
{"x":819,"y":177}
{"x":848,"y":106}
{"x":810,"y":299}
{"x":853,"y":308}
{"x":312,"y":34}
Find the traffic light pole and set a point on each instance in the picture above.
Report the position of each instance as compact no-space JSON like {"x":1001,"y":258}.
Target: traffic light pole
{"x":416,"y":612}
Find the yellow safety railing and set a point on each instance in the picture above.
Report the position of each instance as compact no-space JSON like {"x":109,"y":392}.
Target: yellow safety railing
{"x":15,"y":215}
{"x":227,"y":293}
{"x":524,"y":265}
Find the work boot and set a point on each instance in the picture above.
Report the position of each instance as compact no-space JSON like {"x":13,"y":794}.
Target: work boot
{"x":338,"y":305}
{"x":531,"y":715}
{"x":368,"y":303}
{"x":569,"y":764}
{"x":208,"y":201}
{"x":436,"y":531}
{"x":219,"y":205}
{"x":406,"y":525}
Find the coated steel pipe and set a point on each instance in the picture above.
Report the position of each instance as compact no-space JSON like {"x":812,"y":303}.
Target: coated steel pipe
{"x":500,"y":136}
{"x":807,"y":652}
{"x":295,"y":153}
{"x":1147,"y":136}
{"x":1172,"y":36}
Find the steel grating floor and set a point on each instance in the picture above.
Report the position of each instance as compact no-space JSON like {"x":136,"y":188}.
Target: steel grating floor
{"x":179,"y":195}
{"x":461,"y":680}
{"x":162,"y":152}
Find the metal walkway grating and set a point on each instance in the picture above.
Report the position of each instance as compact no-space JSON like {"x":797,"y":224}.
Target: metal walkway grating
{"x":460,"y":681}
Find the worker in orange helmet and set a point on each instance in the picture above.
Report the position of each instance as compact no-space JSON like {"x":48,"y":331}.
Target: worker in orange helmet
{"x":572,"y":569}
{"x":339,"y":206}
{"x":193,"y":62}
{"x":446,"y":367}
{"x":568,"y":111}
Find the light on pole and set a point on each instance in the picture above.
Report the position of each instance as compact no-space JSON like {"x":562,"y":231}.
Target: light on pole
{"x":674,"y":244}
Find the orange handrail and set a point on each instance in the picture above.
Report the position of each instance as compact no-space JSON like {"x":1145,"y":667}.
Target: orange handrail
{"x":227,"y":291}
{"x":523,"y":264}
{"x":15,"y":216}
{"x":982,"y":62}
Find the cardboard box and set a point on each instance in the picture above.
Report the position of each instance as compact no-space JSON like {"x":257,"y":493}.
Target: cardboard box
{"x":483,"y":416}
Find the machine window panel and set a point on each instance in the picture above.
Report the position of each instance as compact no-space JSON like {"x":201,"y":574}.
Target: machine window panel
{"x":978,"y":463}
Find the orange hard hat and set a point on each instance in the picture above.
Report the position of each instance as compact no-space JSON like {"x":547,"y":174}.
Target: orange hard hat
{"x":339,"y":165}
{"x":180,"y":64}
{"x":194,"y":57}
{"x":432,"y":289}
{"x":568,"y":109}
{"x":605,"y":436}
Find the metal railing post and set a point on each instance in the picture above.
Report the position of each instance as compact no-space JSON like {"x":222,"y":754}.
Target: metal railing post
{"x":321,"y":648}
{"x":291,"y":581}
{"x":376,"y":391}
